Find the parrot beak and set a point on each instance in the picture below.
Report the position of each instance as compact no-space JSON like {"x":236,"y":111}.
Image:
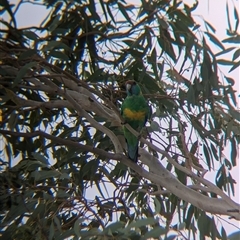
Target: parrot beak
{"x":128,"y":86}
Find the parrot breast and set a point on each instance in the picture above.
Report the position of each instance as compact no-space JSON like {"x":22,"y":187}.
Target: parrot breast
{"x":134,"y":111}
{"x":134,"y":115}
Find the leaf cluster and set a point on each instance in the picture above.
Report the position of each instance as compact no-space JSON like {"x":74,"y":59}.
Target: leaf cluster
{"x":63,"y":168}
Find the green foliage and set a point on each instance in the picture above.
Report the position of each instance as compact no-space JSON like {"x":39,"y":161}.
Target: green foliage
{"x":63,"y":173}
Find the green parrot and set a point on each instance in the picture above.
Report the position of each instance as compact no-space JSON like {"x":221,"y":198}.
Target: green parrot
{"x":135,"y":111}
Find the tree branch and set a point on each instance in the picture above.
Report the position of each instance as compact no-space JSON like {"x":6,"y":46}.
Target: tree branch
{"x":156,"y":174}
{"x":159,"y":175}
{"x":211,"y":186}
{"x":62,"y":141}
{"x":83,"y":113}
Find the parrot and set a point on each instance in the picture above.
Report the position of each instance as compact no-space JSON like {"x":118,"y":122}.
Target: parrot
{"x":135,"y":111}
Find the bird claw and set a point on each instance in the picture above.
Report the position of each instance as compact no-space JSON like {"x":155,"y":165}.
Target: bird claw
{"x":139,"y":134}
{"x":124,"y":122}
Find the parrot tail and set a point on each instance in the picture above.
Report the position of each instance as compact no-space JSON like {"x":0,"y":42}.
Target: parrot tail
{"x":133,"y":152}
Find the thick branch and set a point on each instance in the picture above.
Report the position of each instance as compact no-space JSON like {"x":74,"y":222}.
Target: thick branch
{"x":161,"y":176}
{"x":211,"y":186}
{"x":62,"y":141}
{"x":80,"y":94}
{"x":83,"y":113}
{"x":157,"y":174}
{"x":81,"y":100}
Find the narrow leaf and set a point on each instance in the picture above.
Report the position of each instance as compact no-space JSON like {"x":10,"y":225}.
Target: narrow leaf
{"x":124,"y":12}
{"x":207,"y":156}
{"x":235,"y":39}
{"x":31,"y":35}
{"x":142,"y":222}
{"x":210,"y":26}
{"x":228,"y":18}
{"x":225,"y":62}
{"x":236,"y":18}
{"x":76,"y":227}
{"x":55,"y":45}
{"x":7,"y":6}
{"x":103,"y":8}
{"x":51,"y":231}
{"x":40,"y":158}
{"x":157,"y":205}
{"x":236,"y":54}
{"x":194,"y":148}
{"x":224,"y":51}
{"x":155,"y":233}
{"x":59,"y":55}
{"x":110,"y":13}
{"x":236,"y":65}
{"x":26,"y":54}
{"x":54,"y":23}
{"x":171,"y":237}
{"x":233,"y":152}
{"x":23,"y":72}
{"x":223,"y":233}
{"x":41,"y":175}
{"x":155,"y":126}
{"x":230,"y":80}
{"x":214,"y":40}
{"x":197,"y":26}
{"x":114,"y":227}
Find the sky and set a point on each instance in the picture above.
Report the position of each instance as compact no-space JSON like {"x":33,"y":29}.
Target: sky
{"x":214,"y":11}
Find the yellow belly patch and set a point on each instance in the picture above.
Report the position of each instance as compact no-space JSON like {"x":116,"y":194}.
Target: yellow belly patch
{"x":133,"y":115}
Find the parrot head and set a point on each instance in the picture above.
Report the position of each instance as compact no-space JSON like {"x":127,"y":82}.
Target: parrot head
{"x":132,"y":88}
